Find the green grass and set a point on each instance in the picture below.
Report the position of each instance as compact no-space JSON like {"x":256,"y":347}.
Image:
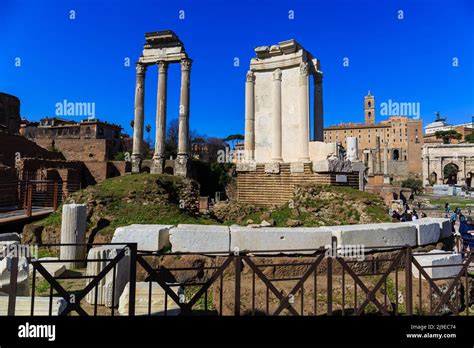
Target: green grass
{"x":454,"y":202}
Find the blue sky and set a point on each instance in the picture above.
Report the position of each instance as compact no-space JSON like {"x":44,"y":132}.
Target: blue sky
{"x":82,"y":60}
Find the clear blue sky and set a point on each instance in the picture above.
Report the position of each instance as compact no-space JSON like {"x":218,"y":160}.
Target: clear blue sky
{"x":82,"y":60}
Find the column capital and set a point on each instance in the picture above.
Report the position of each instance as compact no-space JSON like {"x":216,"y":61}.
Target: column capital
{"x":140,"y":68}
{"x":304,"y":68}
{"x":186,"y":64}
{"x":250,"y":77}
{"x":277,"y":74}
{"x":162,"y":67}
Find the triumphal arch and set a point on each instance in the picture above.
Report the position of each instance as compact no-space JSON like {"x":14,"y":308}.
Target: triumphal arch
{"x":162,"y":48}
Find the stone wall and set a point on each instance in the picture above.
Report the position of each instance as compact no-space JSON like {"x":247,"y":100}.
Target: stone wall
{"x":78,"y":149}
{"x":260,"y":188}
{"x":9,"y":113}
{"x":12,"y":145}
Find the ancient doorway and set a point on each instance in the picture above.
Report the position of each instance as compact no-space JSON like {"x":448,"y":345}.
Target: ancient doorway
{"x":433,"y":178}
{"x":451,"y":174}
{"x":395,"y":155}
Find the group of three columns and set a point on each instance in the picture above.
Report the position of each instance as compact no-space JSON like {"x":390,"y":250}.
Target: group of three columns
{"x":160,"y":136}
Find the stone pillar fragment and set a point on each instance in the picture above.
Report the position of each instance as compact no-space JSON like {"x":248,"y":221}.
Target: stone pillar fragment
{"x":158,"y":157}
{"x":181,"y":164}
{"x":304,"y":112}
{"x":73,"y":231}
{"x":249,"y":144}
{"x":276,"y":140}
{"x":386,"y":177}
{"x":139,"y":118}
{"x":352,"y":149}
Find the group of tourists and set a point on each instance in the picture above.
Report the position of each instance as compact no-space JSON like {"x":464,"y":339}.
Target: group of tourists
{"x":466,"y":225}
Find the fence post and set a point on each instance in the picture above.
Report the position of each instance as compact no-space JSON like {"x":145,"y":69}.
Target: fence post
{"x":408,"y":280}
{"x":55,"y":195}
{"x":133,"y":278}
{"x":329,"y":285}
{"x":29,"y":199}
{"x":13,"y":285}
{"x":237,"y":264}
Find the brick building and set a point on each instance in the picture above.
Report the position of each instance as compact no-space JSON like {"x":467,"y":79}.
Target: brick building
{"x":9,"y":114}
{"x":440,"y":124}
{"x":400,"y":136}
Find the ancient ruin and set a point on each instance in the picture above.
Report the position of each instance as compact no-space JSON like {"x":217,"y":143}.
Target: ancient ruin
{"x":451,"y":164}
{"x":279,"y":153}
{"x":162,"y":48}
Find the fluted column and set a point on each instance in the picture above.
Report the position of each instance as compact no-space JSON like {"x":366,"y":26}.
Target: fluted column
{"x":158,"y":158}
{"x":276,"y":139}
{"x":250,"y":116}
{"x":181,"y":164}
{"x":304,"y":112}
{"x":139,"y":117}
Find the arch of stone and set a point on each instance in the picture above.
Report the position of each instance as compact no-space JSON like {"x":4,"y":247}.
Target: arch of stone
{"x":162,"y":48}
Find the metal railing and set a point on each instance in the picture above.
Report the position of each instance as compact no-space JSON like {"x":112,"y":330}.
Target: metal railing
{"x":316,"y":282}
{"x":33,"y":194}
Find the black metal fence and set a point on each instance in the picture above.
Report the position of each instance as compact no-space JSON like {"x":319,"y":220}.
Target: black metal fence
{"x":303,"y":282}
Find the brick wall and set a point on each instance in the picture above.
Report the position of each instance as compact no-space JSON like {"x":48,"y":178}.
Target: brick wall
{"x":257,"y":187}
{"x":78,"y":149}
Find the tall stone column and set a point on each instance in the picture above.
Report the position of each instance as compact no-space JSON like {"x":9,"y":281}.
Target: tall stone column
{"x":371,"y":162}
{"x":139,"y":118}
{"x":304,"y":112}
{"x":276,"y":139}
{"x":318,"y":107}
{"x":181,"y":164}
{"x":249,"y":144}
{"x":386,"y":177}
{"x":158,"y":157}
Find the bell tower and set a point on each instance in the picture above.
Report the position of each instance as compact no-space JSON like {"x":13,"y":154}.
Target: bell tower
{"x":369,"y":109}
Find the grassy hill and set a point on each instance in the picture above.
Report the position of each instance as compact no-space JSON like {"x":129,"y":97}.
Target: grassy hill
{"x":164,"y":199}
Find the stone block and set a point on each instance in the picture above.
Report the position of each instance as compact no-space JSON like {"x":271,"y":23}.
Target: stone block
{"x":147,"y":237}
{"x":451,"y":260}
{"x":22,"y":286}
{"x":272,"y":168}
{"x":279,"y":239}
{"x":427,"y":232}
{"x":248,"y":166}
{"x":444,"y":225}
{"x":200,"y":238}
{"x":5,"y":237}
{"x":142,"y":292}
{"x":372,"y":235}
{"x":297,"y":167}
{"x":53,"y":268}
{"x":122,"y":275}
{"x":41,"y":306}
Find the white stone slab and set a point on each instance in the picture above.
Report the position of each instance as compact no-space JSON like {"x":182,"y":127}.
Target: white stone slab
{"x":427,"y":232}
{"x":54,"y":268}
{"x":22,"y":287}
{"x":280,"y":239}
{"x":444,"y":224}
{"x":438,"y":258}
{"x":73,"y":231}
{"x":41,"y":306}
{"x":372,"y":235}
{"x":147,"y":237}
{"x":200,"y":238}
{"x":142,"y":292}
{"x":11,"y":236}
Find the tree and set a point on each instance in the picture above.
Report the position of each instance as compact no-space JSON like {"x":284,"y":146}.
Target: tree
{"x":469,"y":138}
{"x":172,"y":136}
{"x":148,"y":129}
{"x":447,"y":135}
{"x":414,"y":184}
{"x":232,"y":138}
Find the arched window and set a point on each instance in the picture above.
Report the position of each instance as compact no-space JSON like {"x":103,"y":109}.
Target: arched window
{"x":396,"y":155}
